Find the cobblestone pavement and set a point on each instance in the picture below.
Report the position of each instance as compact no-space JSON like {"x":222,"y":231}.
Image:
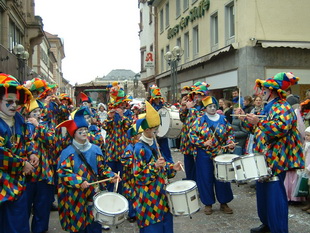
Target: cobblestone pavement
{"x":244,"y":217}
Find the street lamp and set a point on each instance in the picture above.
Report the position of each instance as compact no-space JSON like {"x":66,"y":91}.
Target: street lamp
{"x":173,"y":58}
{"x":22,"y":57}
{"x":126,"y":86}
{"x":136,"y":84}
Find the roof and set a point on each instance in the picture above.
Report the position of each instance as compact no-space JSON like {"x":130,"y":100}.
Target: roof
{"x":120,"y":74}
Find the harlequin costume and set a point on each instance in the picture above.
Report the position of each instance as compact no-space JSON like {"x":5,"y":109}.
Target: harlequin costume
{"x":16,"y":146}
{"x":116,"y":128}
{"x":75,"y":204}
{"x":280,"y":142}
{"x":162,"y":141}
{"x":151,"y":203}
{"x":216,"y":128}
{"x":188,"y":116}
{"x":40,"y":188}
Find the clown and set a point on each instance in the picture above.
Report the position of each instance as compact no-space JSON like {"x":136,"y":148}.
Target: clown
{"x":280,"y":142}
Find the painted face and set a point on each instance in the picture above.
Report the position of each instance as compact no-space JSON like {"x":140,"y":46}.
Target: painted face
{"x":88,"y":119}
{"x":211,"y":109}
{"x":266,"y":93}
{"x":36,"y":113}
{"x":65,"y":102}
{"x":307,"y":136}
{"x":81,"y":134}
{"x":9,"y":104}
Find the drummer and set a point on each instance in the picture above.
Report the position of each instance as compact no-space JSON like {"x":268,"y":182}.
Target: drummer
{"x":150,"y":171}
{"x":157,"y":101}
{"x":280,"y":142}
{"x":75,"y":194}
{"x":209,"y":133}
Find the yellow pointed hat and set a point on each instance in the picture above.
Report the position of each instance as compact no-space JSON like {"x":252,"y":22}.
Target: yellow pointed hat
{"x":150,"y":119}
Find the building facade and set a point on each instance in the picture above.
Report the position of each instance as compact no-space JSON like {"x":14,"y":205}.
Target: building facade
{"x":231,"y":43}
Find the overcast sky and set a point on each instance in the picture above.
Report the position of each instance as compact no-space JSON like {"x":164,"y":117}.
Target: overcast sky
{"x":99,"y":35}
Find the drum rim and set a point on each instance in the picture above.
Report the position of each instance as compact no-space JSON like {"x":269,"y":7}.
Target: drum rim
{"x":184,"y":191}
{"x":124,"y":210}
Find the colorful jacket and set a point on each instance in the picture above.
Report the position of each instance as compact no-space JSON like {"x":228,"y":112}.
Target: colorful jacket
{"x":15,"y":149}
{"x":278,"y":137}
{"x":151,"y":202}
{"x":220,"y":132}
{"x":75,"y":211}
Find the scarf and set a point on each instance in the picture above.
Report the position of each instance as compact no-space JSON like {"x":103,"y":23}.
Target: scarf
{"x":82,"y":147}
{"x":147,"y":140}
{"x":10,"y":121}
{"x":214,"y":117}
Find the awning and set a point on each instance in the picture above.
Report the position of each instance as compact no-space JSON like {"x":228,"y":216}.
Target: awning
{"x":289,"y":44}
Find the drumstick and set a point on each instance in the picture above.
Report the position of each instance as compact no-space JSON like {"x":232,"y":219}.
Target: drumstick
{"x":182,"y":167}
{"x":240,"y":115}
{"x":116,"y":186}
{"x":158,"y":150}
{"x":100,"y":181}
{"x":215,"y":131}
{"x":230,"y":145}
{"x":239,"y":100}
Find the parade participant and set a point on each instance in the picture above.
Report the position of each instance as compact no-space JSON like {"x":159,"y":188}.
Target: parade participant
{"x":280,"y":142}
{"x":37,"y":86}
{"x":306,"y":149}
{"x":157,"y":101}
{"x":136,"y":109}
{"x":209,"y":133}
{"x":17,"y":156}
{"x":65,"y":108}
{"x":116,"y":126}
{"x":40,"y":189}
{"x":128,"y":176}
{"x":190,"y":110}
{"x":86,"y":101}
{"x":80,"y":164}
{"x":150,"y":171}
{"x":101,"y":116}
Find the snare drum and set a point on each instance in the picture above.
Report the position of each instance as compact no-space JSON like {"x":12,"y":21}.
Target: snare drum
{"x":110,"y":208}
{"x":223,"y":168}
{"x":251,"y":167}
{"x":183,"y":197}
{"x":171,"y":125}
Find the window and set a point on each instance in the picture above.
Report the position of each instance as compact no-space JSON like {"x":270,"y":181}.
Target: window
{"x":167,"y":15}
{"x":15,"y":36}
{"x":167,"y":50}
{"x":230,"y":23}
{"x":142,"y":54}
{"x":195,"y":41}
{"x":185,"y":5}
{"x":179,"y":42}
{"x":186,"y":46}
{"x":177,"y":8}
{"x":214,"y":32}
{"x":150,"y":14}
{"x":162,"y":59}
{"x":193,"y":1}
{"x":161,"y":19}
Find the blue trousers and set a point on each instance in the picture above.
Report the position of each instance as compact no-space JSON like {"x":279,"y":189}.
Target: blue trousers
{"x":165,"y":226}
{"x":207,"y":183}
{"x":116,"y":167}
{"x":272,"y":205}
{"x":131,"y":210}
{"x":14,"y":216}
{"x":165,"y":149}
{"x":190,"y":167}
{"x":40,"y":196}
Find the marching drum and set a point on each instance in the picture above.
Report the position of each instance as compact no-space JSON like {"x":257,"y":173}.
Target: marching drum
{"x":223,"y":168}
{"x":171,"y":125}
{"x":110,"y":208}
{"x":183,"y":197}
{"x":251,"y":167}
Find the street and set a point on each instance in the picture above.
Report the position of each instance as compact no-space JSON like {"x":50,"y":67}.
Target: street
{"x":242,"y":220}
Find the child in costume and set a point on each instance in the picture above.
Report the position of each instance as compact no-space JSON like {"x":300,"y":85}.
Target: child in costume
{"x":151,"y":171}
{"x":80,"y":164}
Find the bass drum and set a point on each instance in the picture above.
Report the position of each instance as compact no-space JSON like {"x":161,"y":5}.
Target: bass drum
{"x":171,"y":125}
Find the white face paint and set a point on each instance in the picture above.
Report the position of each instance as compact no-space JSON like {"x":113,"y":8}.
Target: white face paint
{"x":81,"y":135}
{"x":88,"y":119}
{"x":211,"y":109}
{"x":9,"y":104}
{"x":266,"y":93}
{"x":36,"y":113}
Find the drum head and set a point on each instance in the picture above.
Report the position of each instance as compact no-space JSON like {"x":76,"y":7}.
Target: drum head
{"x":111,"y":203}
{"x":225,"y":158}
{"x":180,"y":186}
{"x":165,"y":122}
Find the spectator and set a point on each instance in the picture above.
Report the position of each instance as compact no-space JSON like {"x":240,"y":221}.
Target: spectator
{"x":228,"y":110}
{"x":248,"y":104}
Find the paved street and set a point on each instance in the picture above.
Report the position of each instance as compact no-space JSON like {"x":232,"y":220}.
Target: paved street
{"x":244,"y":217}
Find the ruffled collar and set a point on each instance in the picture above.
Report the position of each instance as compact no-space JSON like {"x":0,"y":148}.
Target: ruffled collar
{"x":82,"y":147}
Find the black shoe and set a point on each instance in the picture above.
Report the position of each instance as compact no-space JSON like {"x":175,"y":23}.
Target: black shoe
{"x":54,"y":207}
{"x":131,"y":219}
{"x":261,"y":229}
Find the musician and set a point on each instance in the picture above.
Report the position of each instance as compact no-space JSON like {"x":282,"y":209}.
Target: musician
{"x":157,"y":101}
{"x":40,"y":188}
{"x":280,"y":142}
{"x":150,"y":171}
{"x":17,"y":156}
{"x":80,"y":164}
{"x":116,"y":126}
{"x":209,"y":133}
{"x":191,"y":109}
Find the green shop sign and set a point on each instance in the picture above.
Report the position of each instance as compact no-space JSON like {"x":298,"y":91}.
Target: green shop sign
{"x":194,"y":13}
